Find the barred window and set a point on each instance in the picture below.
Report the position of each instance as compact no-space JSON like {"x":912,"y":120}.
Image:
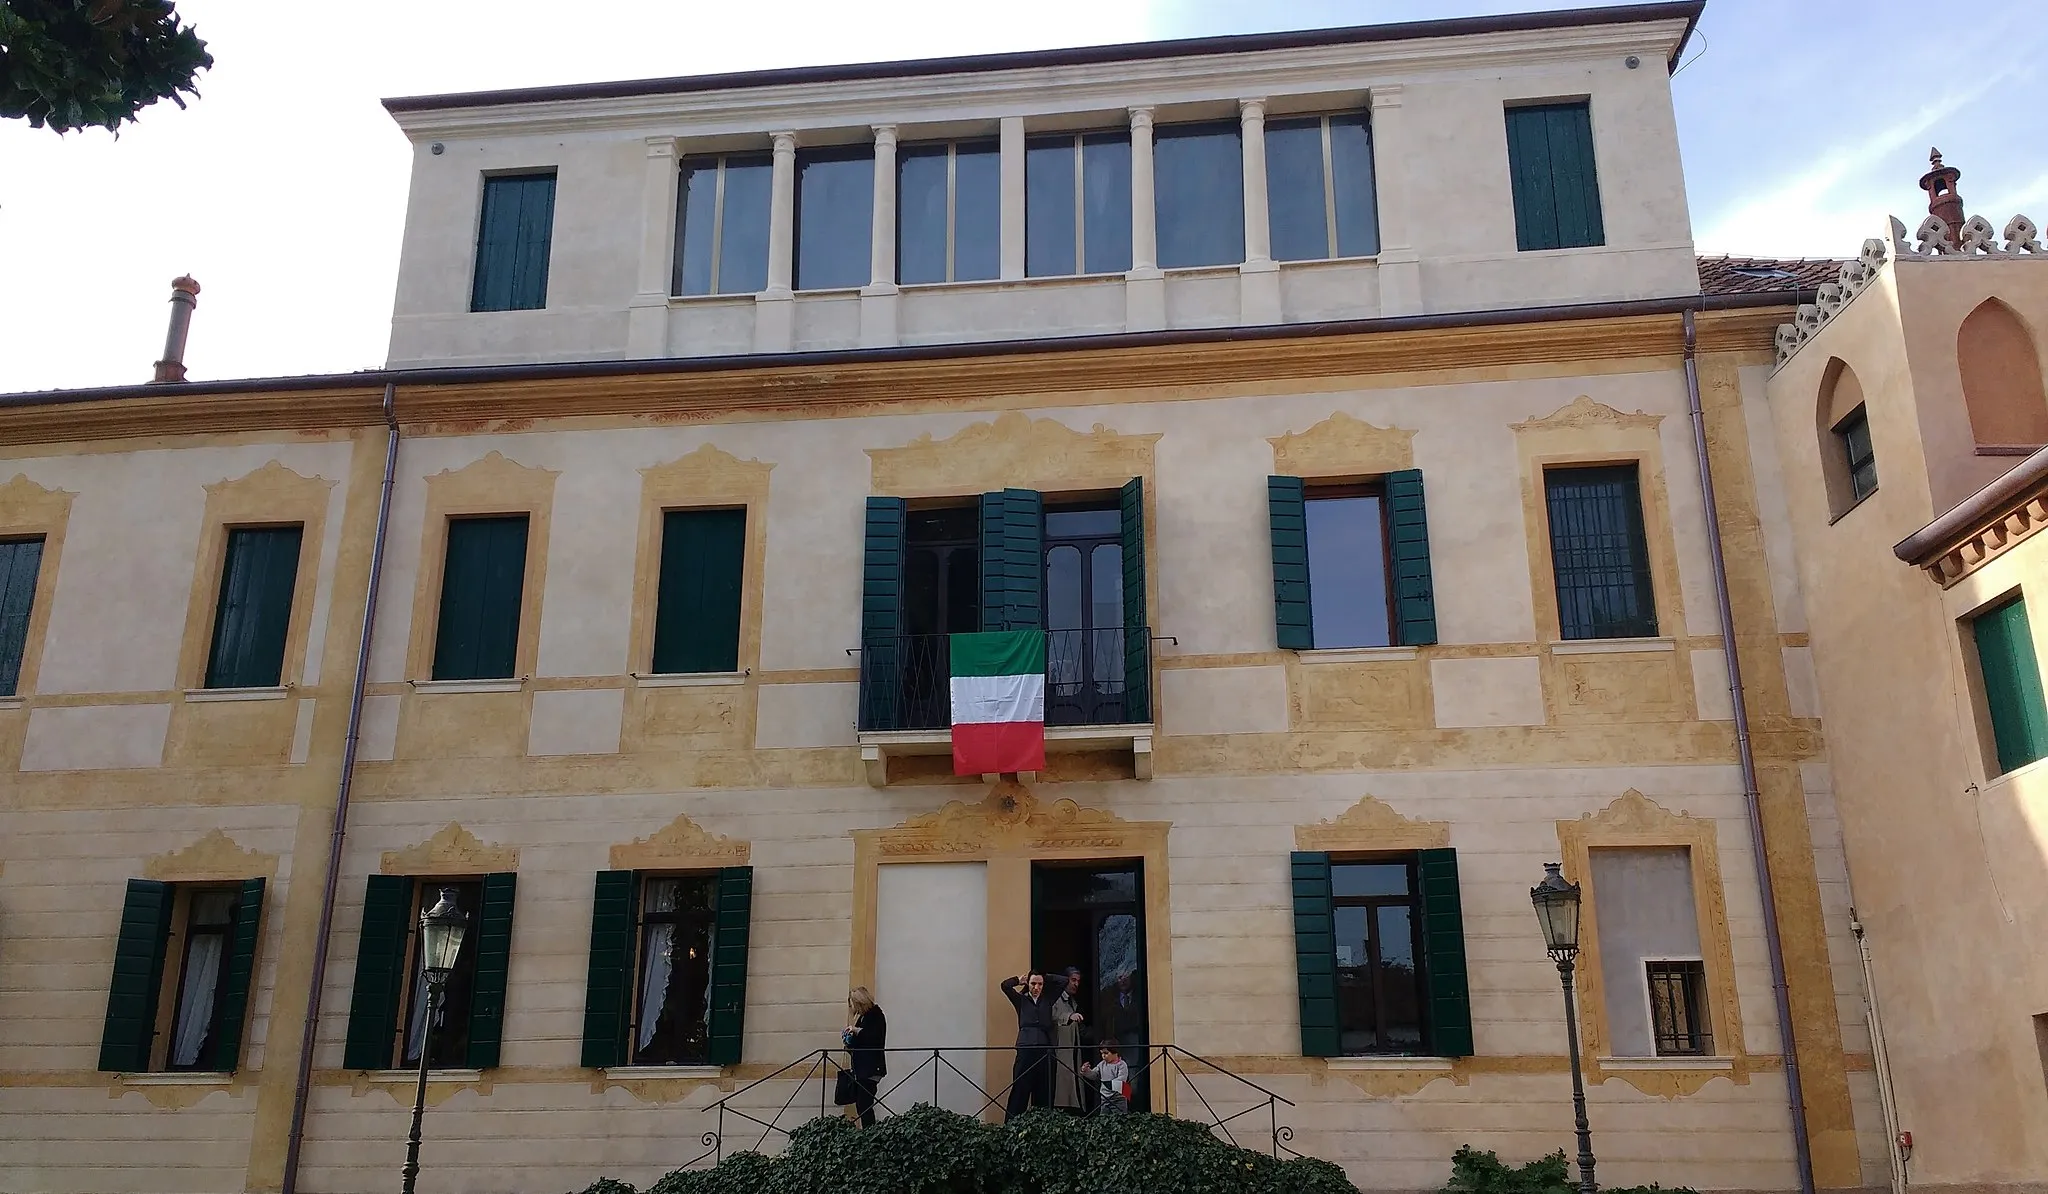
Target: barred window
{"x":1678,"y":1008}
{"x":1599,"y":553}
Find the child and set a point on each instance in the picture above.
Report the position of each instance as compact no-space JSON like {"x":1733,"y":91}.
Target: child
{"x":1115,"y":1078}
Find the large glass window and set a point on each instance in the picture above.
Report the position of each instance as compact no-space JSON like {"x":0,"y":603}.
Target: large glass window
{"x":1347,"y":567}
{"x":1599,"y":553}
{"x":835,"y":203}
{"x":948,"y":212}
{"x":672,"y":1024}
{"x":1378,"y":915}
{"x":1077,"y":204}
{"x":722,"y":224}
{"x":1198,"y":181}
{"x":1319,"y":188}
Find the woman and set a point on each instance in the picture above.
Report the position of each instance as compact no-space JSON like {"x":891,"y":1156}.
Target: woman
{"x":1066,"y":1022}
{"x":865,"y":1039}
{"x":1031,"y":1074}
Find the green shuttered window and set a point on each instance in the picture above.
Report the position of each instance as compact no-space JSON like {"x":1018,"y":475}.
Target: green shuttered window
{"x":1286,"y":505}
{"x":493,"y":962}
{"x":21,"y":561}
{"x":482,"y":585}
{"x":1351,"y":563}
{"x":2012,"y":684}
{"x":1315,"y":953}
{"x":512,"y":241}
{"x":729,"y":963}
{"x":254,"y":612}
{"x":1365,"y":932}
{"x":138,"y":977}
{"x":881,"y":613}
{"x":209,"y":1000}
{"x":1443,"y":954}
{"x":697,"y":610}
{"x":1408,"y":556}
{"x":1137,"y":627}
{"x":638,"y":924}
{"x":1556,"y":188}
{"x":472,"y":1026}
{"x":608,"y":990}
{"x":240,"y":964}
{"x":1012,"y":560}
{"x":380,"y":972}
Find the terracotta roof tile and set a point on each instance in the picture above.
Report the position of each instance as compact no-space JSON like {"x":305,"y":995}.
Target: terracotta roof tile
{"x":1765,"y":275}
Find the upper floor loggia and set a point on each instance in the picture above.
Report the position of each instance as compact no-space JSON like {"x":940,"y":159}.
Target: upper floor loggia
{"x":1405,"y":169}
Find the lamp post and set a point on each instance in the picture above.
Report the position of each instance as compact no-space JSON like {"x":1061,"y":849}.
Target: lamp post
{"x":441,"y":930}
{"x":1557,"y":910}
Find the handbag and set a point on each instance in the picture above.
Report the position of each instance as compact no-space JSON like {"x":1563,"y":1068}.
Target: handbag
{"x":845,"y":1089}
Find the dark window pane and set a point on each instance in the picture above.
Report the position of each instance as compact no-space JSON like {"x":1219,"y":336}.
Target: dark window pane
{"x":1357,"y":1011}
{"x":835,"y":201}
{"x":1369,"y":879}
{"x":1106,"y":202}
{"x":1599,"y":553}
{"x":1353,"y":184}
{"x":743,"y":235}
{"x":921,"y":214}
{"x":697,"y":603}
{"x":1049,"y":207}
{"x":977,"y":211}
{"x":513,"y":234}
{"x":482,"y":583}
{"x":1198,"y":176}
{"x":923,"y":602}
{"x":1400,"y":996}
{"x":1551,"y":170}
{"x":1854,"y":432}
{"x":1678,"y":1008}
{"x":1060,"y":523}
{"x":209,"y":922}
{"x":696,"y":231}
{"x":963,"y":591}
{"x":1347,"y":572}
{"x":1294,"y":189}
{"x":1063,"y":588}
{"x":673,"y":1001}
{"x":21,"y":560}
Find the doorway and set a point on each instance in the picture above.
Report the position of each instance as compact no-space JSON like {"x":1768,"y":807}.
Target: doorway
{"x":1084,"y":617}
{"x":1091,"y":916}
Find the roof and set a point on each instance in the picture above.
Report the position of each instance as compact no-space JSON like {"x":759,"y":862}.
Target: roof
{"x":1621,"y":14}
{"x":1989,"y":505}
{"x":1766,"y":275}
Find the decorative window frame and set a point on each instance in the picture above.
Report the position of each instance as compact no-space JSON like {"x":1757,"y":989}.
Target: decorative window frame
{"x":271,"y":496}
{"x":706,"y":479}
{"x":492,"y":485}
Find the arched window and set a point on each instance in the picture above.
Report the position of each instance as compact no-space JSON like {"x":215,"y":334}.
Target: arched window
{"x":1847,"y":463}
{"x":2001,"y":379}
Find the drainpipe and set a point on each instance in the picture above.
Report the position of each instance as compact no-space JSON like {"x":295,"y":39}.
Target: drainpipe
{"x":301,"y":1091}
{"x":1795,"y":1091}
{"x":1880,"y":1058}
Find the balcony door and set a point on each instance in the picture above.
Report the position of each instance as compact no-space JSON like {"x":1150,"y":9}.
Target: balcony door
{"x":941,"y":596}
{"x":1084,"y":616}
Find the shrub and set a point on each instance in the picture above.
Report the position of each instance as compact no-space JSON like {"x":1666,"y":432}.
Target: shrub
{"x":1474,"y":1172}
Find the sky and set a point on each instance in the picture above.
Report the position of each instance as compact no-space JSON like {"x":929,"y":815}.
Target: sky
{"x":1803,"y":123}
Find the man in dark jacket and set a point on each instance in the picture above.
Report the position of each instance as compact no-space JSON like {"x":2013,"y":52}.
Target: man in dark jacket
{"x":1031,"y":1074}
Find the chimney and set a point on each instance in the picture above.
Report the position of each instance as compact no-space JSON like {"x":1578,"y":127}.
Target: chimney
{"x":1942,"y":200}
{"x":184,"y":297}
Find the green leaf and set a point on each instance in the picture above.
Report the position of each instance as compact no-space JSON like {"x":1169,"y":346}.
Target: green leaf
{"x":66,"y":66}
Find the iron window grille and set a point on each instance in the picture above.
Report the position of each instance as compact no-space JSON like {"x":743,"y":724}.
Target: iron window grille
{"x":1678,"y":1008}
{"x":1599,"y":553}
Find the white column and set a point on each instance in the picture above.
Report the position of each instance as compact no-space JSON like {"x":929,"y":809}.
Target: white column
{"x":1013,"y":197}
{"x":775,"y":307}
{"x":647,"y":314}
{"x":1400,"y":269}
{"x":1145,"y":285}
{"x":1258,"y":291}
{"x":878,"y":299}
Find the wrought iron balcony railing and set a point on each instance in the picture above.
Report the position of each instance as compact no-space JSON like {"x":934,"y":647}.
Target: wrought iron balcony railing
{"x":1092,"y":678}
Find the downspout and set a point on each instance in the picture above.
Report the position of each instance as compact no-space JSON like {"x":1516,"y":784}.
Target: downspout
{"x":1795,"y":1091}
{"x":301,"y":1091}
{"x":1880,"y":1058}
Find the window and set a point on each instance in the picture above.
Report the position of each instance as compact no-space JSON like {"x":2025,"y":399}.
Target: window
{"x":1351,"y":563}
{"x":1550,"y":166}
{"x":948,"y":212}
{"x":1653,"y":978}
{"x":254,"y":613}
{"x":21,"y":563}
{"x":1379,"y":973}
{"x":835,"y":202}
{"x":1077,"y":204}
{"x":182,"y":966}
{"x":1198,"y":180}
{"x":697,"y":608}
{"x":678,"y":934}
{"x":1380,"y":954}
{"x":2011,"y":677}
{"x":1678,"y":1007}
{"x":1347,"y":556}
{"x":482,"y":585}
{"x":1599,"y":553}
{"x":1320,"y":198}
{"x":1854,"y":434}
{"x":387,"y":1016}
{"x":512,"y":243}
{"x":722,"y":224}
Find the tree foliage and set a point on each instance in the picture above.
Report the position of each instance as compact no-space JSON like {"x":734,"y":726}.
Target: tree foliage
{"x":73,"y":64}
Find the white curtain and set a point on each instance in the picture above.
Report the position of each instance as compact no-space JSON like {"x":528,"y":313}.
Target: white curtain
{"x":195,"y":1010}
{"x":416,"y":1031}
{"x":661,"y":948}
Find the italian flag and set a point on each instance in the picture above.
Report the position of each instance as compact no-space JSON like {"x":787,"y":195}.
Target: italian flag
{"x":998,"y":702}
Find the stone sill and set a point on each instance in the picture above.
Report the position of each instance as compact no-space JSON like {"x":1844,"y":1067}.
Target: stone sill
{"x":407,"y":1077}
{"x":180,"y":1078}
{"x":1433,"y":1065}
{"x":1359,"y":655}
{"x":689,"y":679}
{"x":1716,"y":1064}
{"x":877,"y":745}
{"x":440,"y":686}
{"x":641,"y":1072}
{"x":202,"y":696}
{"x":1612,"y":646}
{"x":13,"y":702}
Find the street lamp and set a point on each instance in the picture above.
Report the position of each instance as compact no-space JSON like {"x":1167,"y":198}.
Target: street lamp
{"x":441,"y":930}
{"x":1557,"y":910}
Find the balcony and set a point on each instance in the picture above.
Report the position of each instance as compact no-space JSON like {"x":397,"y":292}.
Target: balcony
{"x":1097,"y":696}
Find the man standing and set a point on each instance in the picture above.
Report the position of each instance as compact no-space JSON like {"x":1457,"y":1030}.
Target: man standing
{"x":1031,"y":1074}
{"x":1066,"y":1022}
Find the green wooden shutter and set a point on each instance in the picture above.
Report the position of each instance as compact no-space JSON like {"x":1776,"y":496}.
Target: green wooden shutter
{"x":697,"y":607}
{"x":254,"y":613}
{"x":1551,"y":171}
{"x":380,"y":973}
{"x":482,"y":587}
{"x":21,"y":560}
{"x":2012,"y":685}
{"x":1137,"y":628}
{"x":1408,"y":549}
{"x":1287,"y":508}
{"x":608,"y":992}
{"x":729,"y":963}
{"x":493,"y":959}
{"x":513,"y":235}
{"x":1315,"y":953}
{"x":1012,"y":560}
{"x":881,"y":615}
{"x":1443,"y":954}
{"x":241,"y":967}
{"x":138,"y":975}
